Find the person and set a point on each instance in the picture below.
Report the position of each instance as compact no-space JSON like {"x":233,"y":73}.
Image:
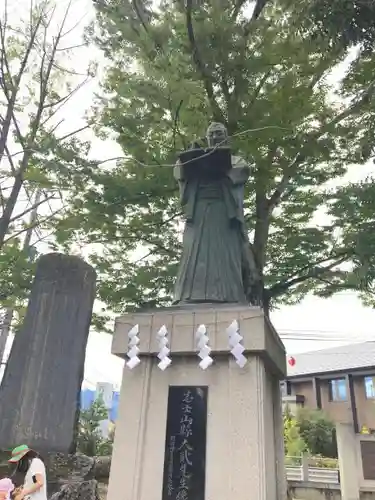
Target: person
{"x":30,"y":464}
{"x":6,"y":488}
{"x":213,"y":263}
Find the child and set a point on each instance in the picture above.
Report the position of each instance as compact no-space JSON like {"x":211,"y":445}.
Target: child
{"x":6,"y":488}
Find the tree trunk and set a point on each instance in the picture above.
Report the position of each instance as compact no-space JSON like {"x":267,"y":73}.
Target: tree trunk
{"x":5,"y":327}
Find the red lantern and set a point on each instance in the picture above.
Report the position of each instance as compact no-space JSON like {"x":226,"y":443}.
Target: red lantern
{"x":291,"y":361}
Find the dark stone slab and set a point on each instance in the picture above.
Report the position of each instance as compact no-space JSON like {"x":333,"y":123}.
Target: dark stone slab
{"x":185,"y":444}
{"x":40,"y":390}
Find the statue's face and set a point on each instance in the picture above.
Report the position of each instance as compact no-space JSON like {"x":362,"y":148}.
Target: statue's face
{"x":217,"y":136}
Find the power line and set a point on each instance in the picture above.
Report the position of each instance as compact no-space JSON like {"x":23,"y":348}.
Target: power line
{"x":303,"y":330}
{"x":349,"y":337}
{"x":208,"y":153}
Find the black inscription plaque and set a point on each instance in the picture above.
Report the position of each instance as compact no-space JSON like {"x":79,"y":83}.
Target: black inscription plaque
{"x":185,"y":444}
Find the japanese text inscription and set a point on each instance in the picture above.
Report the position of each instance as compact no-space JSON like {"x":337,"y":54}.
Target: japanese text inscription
{"x":185,"y":446}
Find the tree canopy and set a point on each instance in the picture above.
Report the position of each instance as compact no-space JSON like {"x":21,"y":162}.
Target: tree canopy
{"x":318,"y":432}
{"x":90,"y":438}
{"x":269,"y":75}
{"x":347,"y":21}
{"x":310,"y":431}
{"x":43,"y":161}
{"x":298,"y":101}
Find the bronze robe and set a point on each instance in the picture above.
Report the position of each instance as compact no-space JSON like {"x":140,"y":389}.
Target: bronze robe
{"x":212,"y":261}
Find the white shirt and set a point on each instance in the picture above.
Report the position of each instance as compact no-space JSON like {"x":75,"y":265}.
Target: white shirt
{"x":36,"y":467}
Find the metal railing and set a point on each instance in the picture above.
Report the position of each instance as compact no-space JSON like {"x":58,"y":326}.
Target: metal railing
{"x":299,"y":469}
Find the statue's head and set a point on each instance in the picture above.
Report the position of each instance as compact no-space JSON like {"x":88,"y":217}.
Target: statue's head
{"x":216,"y":134}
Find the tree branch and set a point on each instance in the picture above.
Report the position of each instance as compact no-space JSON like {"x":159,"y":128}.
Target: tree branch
{"x":68,"y":96}
{"x":2,"y":199}
{"x":262,"y":221}
{"x":45,"y":74}
{"x":259,"y":6}
{"x":314,"y":272}
{"x":238,"y":6}
{"x":77,"y":131}
{"x":34,"y":224}
{"x":259,"y":87}
{"x":290,"y":170}
{"x":206,"y":78}
{"x":10,"y":159}
{"x":11,"y":99}
{"x":33,"y":207}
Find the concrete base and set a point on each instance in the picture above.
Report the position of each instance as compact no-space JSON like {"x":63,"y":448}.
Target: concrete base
{"x":354,"y":461}
{"x":348,"y":461}
{"x":245,"y":455}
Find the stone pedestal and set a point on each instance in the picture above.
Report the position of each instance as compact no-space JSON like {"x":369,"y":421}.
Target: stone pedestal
{"x":347,"y":447}
{"x":40,"y":390}
{"x":244,"y":450}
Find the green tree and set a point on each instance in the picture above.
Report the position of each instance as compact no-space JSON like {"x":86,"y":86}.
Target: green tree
{"x":309,"y":431}
{"x":347,"y":21}
{"x":294,"y":443}
{"x":90,"y":440}
{"x":42,"y":159}
{"x":318,"y":432}
{"x":264,"y":74}
{"x":34,"y":87}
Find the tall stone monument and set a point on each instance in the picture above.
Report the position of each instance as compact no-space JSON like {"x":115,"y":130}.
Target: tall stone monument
{"x":200,"y":407}
{"x":41,"y":386}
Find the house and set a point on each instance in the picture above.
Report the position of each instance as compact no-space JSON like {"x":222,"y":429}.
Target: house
{"x":339,"y":380}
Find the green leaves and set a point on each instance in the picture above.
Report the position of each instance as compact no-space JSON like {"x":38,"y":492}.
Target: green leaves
{"x":348,"y":22}
{"x":318,"y":432}
{"x":294,"y":444}
{"x":309,"y":431}
{"x":90,"y":440}
{"x":353,"y":209}
{"x":16,"y":273}
{"x":42,"y":170}
{"x":170,"y":72}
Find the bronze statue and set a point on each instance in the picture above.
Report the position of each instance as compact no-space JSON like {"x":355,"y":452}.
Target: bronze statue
{"x":216,"y":262}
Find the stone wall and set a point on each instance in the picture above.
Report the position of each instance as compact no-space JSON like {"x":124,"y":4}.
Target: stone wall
{"x":299,"y":490}
{"x":102,"y":490}
{"x":64,"y":470}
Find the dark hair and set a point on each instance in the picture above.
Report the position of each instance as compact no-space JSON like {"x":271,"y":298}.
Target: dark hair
{"x":19,"y":473}
{"x":24,"y":464}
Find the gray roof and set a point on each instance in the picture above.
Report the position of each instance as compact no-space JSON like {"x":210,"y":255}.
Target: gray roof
{"x":347,"y":357}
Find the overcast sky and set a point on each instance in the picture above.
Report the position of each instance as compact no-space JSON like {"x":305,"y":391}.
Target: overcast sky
{"x":313,"y":324}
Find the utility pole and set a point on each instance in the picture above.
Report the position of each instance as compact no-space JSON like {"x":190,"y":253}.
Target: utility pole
{"x":5,"y":325}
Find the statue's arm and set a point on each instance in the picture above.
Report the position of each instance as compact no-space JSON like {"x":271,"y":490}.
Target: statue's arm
{"x":178,"y":171}
{"x":240,"y":171}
